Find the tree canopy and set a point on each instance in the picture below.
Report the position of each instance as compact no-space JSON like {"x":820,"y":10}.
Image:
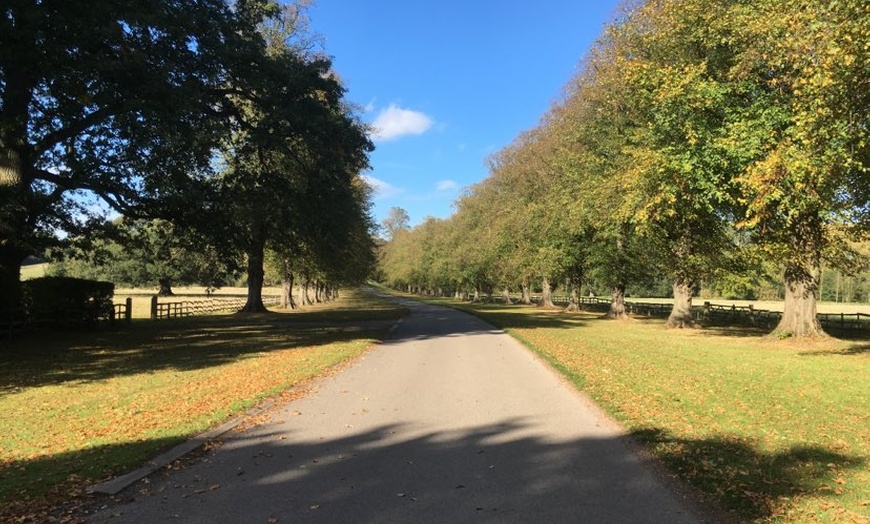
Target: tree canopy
{"x":216,"y":115}
{"x":698,"y":140}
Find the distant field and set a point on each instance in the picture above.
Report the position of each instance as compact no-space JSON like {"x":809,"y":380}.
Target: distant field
{"x":770,"y":305}
{"x":141,"y":297}
{"x":33,"y":271}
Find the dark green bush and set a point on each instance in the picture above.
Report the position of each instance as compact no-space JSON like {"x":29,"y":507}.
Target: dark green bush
{"x":63,"y":302}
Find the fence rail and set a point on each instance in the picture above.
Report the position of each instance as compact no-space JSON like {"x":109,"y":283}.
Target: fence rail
{"x":718,"y":314}
{"x":13,"y":321}
{"x":184,"y":308}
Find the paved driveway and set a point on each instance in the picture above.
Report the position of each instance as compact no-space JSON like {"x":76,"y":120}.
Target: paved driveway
{"x":449,"y":421}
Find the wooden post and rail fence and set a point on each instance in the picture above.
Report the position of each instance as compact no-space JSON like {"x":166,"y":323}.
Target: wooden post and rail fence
{"x":184,"y":308}
{"x":16,"y":321}
{"x":716,"y":314}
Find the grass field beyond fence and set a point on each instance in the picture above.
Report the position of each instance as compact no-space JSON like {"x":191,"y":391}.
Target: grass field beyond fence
{"x":81,"y":407}
{"x":773,"y":431}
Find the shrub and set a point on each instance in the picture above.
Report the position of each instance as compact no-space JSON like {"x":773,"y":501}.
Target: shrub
{"x":63,"y":302}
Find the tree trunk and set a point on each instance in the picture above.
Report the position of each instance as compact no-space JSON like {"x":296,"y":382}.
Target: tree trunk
{"x":546,"y":294}
{"x":799,"y":316}
{"x":306,"y":292}
{"x":526,"y":292}
{"x":681,"y":313}
{"x":165,"y":287}
{"x":10,"y":278}
{"x":617,"y":303}
{"x":506,"y":295}
{"x":576,"y":282}
{"x":254,"y":304}
{"x":14,"y":228}
{"x":476,"y":294}
{"x":300,"y":292}
{"x":287,"y":301}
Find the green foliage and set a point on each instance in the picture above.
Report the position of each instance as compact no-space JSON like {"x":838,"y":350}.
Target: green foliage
{"x":720,"y":142}
{"x":147,"y":253}
{"x":289,"y":176}
{"x":128,"y":105}
{"x":121,"y":103}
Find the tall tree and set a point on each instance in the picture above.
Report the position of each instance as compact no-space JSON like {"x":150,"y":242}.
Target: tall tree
{"x":803,"y":127}
{"x":673,"y":57}
{"x":397,"y":219}
{"x":296,"y":144}
{"x":115,"y":101}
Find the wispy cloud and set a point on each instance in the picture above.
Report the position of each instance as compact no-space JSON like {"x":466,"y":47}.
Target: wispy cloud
{"x":446,"y":186}
{"x":381,"y":189}
{"x":394,"y":122}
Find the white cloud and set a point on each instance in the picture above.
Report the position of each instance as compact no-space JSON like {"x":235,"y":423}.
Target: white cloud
{"x":394,"y":122}
{"x":445,"y":186}
{"x":382,"y":189}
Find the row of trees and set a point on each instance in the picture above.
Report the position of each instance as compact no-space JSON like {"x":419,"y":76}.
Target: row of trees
{"x":699,"y":138}
{"x":217,"y":124}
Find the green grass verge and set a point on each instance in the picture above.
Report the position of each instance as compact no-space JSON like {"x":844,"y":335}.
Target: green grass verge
{"x":772,"y":431}
{"x":81,"y":407}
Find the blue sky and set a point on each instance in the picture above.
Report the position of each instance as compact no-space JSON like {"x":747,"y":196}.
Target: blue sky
{"x":446,"y":83}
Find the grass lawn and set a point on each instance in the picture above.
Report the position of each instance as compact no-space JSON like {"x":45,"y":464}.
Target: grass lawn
{"x":33,"y":271}
{"x":81,"y":407}
{"x":774,"y":431}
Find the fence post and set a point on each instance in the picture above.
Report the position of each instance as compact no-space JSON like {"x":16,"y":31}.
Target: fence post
{"x":154,"y":307}
{"x":128,"y":311}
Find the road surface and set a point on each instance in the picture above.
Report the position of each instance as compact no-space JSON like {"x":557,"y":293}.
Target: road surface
{"x":449,"y":421}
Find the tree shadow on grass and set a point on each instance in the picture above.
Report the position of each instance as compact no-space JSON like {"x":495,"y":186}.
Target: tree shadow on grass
{"x":858,"y":343}
{"x":749,"y":482}
{"x":733,"y":331}
{"x":528,"y":317}
{"x":49,"y":488}
{"x":145,"y":346}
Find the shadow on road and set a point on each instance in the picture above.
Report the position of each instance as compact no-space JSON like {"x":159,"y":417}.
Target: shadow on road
{"x":496,"y":473}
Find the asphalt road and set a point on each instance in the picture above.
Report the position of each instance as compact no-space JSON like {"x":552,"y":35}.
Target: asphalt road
{"x":449,"y":421}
